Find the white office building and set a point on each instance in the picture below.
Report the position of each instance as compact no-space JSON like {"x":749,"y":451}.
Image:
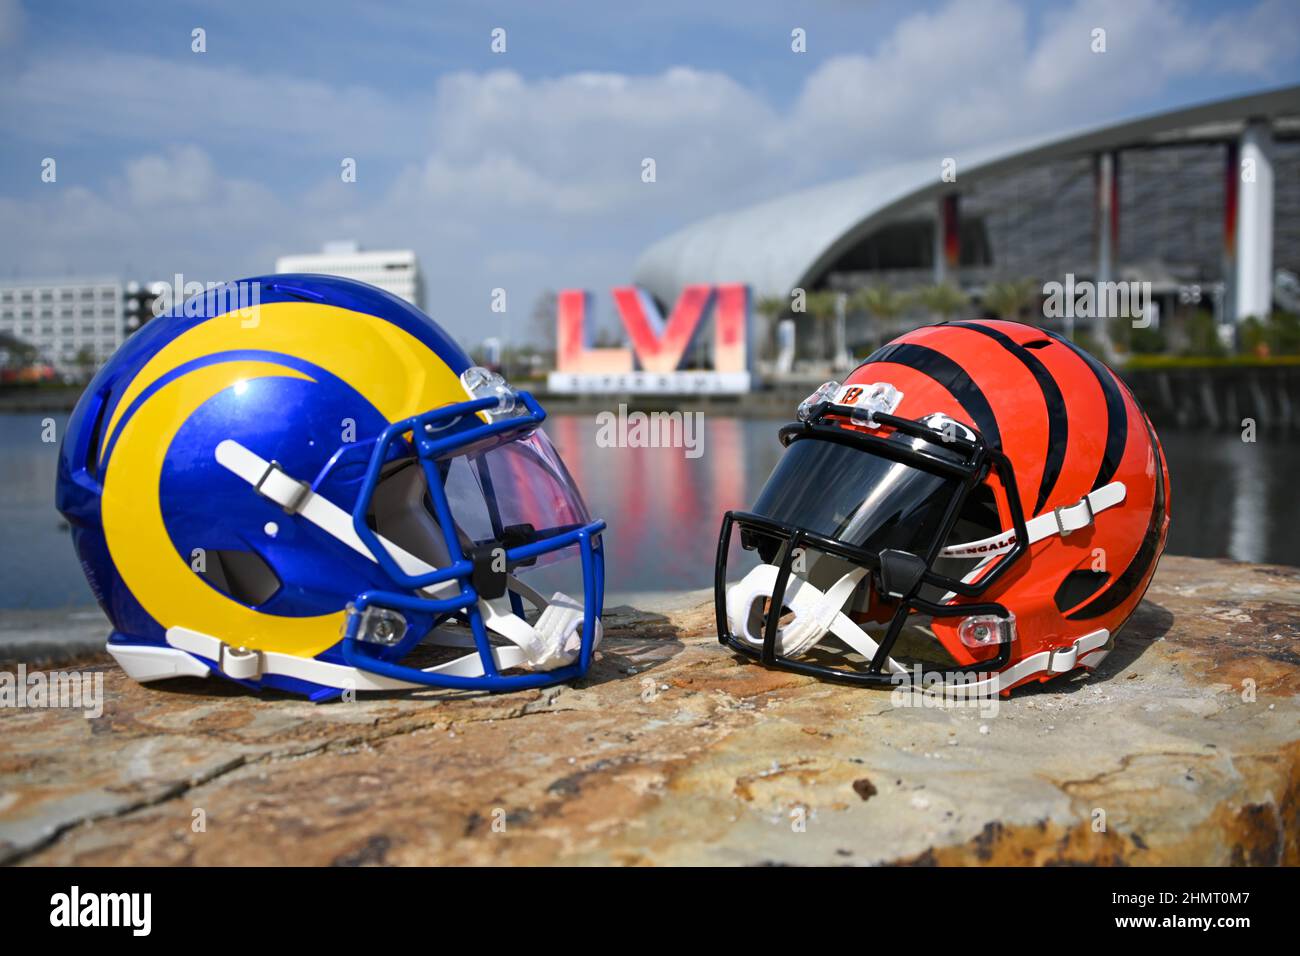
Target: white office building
{"x":67,"y":320}
{"x":396,"y":270}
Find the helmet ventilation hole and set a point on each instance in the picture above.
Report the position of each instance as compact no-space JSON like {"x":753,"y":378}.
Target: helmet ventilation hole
{"x":1078,"y":586}
{"x":242,"y":575}
{"x":95,"y":439}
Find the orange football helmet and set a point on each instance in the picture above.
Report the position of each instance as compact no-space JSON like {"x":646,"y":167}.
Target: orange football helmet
{"x":986,"y":488}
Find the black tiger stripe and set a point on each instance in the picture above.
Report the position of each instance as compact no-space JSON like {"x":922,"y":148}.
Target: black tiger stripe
{"x":1116,"y":414}
{"x":1147,"y":554}
{"x":951,"y":376}
{"x":1058,"y":419}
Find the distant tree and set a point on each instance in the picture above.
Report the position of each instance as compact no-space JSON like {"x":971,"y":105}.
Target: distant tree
{"x":1125,"y":338}
{"x":822,"y":311}
{"x":1203,"y":335}
{"x":17,"y":353}
{"x":85,"y":362}
{"x":883,"y":304}
{"x":1279,"y":334}
{"x":1284,"y":333}
{"x":542,"y":319}
{"x":1012,"y":300}
{"x":943,"y":300}
{"x":772,"y":308}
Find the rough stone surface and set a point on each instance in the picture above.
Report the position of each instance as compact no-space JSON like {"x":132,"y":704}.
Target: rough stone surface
{"x":674,"y":751}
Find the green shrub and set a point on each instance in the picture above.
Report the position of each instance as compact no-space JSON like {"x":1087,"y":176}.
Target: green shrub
{"x":1203,"y":336}
{"x":1279,"y":334}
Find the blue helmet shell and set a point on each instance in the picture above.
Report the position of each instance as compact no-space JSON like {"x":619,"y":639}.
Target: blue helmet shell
{"x":328,"y":380}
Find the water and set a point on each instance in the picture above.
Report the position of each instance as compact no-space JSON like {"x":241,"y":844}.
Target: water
{"x":1230,"y":499}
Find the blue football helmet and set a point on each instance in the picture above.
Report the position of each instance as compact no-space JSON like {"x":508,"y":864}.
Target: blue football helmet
{"x":300,"y":482}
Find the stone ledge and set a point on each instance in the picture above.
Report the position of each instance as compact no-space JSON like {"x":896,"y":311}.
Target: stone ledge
{"x":672,"y":751}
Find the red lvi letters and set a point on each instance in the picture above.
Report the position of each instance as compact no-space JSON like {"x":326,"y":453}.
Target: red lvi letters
{"x":659,"y":345}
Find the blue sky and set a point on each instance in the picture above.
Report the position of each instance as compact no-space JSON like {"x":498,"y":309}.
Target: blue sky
{"x":522,"y":170}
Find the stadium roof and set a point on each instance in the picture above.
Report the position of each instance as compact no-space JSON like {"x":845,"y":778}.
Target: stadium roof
{"x":791,"y":241}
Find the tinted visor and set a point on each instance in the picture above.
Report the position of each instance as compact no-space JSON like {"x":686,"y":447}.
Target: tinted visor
{"x":850,"y":495}
{"x":512,"y":493}
{"x":521,"y":485}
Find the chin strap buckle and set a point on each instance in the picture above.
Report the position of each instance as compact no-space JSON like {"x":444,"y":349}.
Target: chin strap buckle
{"x":1061,"y":660}
{"x":1074,"y":517}
{"x":283,"y":490}
{"x":1063,"y":521}
{"x":240,"y":663}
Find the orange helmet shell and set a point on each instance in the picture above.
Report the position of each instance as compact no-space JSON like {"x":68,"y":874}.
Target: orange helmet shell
{"x":1069,"y":426}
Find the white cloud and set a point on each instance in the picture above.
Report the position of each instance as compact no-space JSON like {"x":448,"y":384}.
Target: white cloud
{"x":969,"y":74}
{"x":943,"y":78}
{"x":575,"y":144}
{"x":1150,"y":43}
{"x":184,"y":175}
{"x":1254,"y":43}
{"x":549,"y":169}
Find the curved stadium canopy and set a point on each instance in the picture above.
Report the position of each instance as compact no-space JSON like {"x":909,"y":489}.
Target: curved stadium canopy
{"x":793,"y":241}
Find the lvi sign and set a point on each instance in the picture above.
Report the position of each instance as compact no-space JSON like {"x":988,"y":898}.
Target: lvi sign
{"x":659,"y":346}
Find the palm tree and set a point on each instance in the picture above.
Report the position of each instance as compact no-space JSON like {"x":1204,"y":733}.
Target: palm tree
{"x":883,"y":304}
{"x":772,"y":308}
{"x":85,"y":363}
{"x":944,"y":299}
{"x":1011,"y":299}
{"x":821,"y":308}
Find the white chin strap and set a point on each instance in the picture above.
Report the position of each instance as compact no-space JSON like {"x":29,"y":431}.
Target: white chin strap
{"x":554,"y":641}
{"x":1088,"y":651}
{"x":816,"y":613}
{"x":1063,"y":521}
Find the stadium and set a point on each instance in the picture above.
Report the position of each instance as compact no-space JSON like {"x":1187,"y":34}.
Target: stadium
{"x":1202,"y":203}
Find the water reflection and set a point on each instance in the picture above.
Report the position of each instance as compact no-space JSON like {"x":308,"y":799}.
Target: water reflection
{"x":1248,"y":538}
{"x":663,"y":508}
{"x":1230,"y":499}
{"x":1234,"y":499}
